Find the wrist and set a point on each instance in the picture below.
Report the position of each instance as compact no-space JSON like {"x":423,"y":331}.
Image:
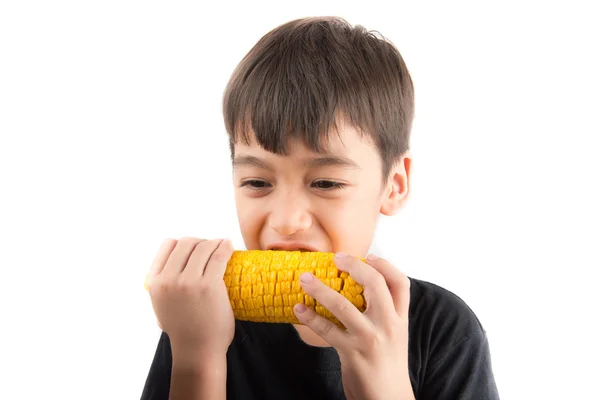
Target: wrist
{"x":198,"y":375}
{"x":201,"y":361}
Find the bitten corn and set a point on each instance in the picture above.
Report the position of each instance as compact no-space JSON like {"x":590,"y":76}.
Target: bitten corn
{"x":264,"y":286}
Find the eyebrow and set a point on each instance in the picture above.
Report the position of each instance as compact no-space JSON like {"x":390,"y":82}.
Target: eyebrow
{"x":324,"y":161}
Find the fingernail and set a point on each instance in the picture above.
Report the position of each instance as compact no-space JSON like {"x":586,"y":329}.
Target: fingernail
{"x":371,"y":257}
{"x":340,"y":255}
{"x":306,"y":277}
{"x":300,"y":308}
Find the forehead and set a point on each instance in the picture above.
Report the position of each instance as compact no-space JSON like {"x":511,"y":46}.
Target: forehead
{"x":346,"y":141}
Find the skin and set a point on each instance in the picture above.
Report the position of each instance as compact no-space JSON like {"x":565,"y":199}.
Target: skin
{"x":289,"y":202}
{"x":191,"y":304}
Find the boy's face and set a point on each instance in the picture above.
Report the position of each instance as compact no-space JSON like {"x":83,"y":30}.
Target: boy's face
{"x":315,"y":201}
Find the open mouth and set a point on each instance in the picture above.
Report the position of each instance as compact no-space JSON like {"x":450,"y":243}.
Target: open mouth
{"x":301,"y":247}
{"x":298,"y":249}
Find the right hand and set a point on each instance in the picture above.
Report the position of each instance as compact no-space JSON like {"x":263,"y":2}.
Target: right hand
{"x":189,"y":296}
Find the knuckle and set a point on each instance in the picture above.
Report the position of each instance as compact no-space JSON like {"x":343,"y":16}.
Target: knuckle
{"x":163,"y":286}
{"x":200,"y":248}
{"x":189,"y":241}
{"x":311,"y":319}
{"x":159,"y":287}
{"x":189,"y":238}
{"x":317,"y":289}
{"x":325,"y":328}
{"x":220,"y":256}
{"x":371,"y":340}
{"x":375,"y":279}
{"x":227,"y":247}
{"x":169,"y":241}
{"x":384,"y":264}
{"x":393,"y":329}
{"x":203,"y":288}
{"x":343,"y":306}
{"x":186,"y":287}
{"x":203,"y":245}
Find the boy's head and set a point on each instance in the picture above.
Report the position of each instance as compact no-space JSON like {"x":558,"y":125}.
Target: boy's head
{"x":319,"y":115}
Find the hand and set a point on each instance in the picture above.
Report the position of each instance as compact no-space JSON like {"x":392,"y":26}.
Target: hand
{"x":189,"y":296}
{"x":373,"y":349}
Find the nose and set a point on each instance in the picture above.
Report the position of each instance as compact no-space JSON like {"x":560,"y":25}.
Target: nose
{"x":289,"y":215}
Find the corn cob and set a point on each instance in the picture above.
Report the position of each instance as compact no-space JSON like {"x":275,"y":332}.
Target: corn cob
{"x":264,"y":286}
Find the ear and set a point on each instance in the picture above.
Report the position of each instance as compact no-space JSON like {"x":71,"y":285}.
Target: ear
{"x":397,"y":190}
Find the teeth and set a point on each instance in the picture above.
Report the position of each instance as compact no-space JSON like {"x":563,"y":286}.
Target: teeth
{"x":301,"y":250}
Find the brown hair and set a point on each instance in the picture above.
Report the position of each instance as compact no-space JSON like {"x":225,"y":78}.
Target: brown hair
{"x":303,"y":76}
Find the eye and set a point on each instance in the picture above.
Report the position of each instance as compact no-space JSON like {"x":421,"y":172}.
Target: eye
{"x":255,"y":184}
{"x":328,"y":185}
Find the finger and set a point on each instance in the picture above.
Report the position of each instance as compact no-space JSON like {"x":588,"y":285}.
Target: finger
{"x":180,"y":256}
{"x":334,"y":302}
{"x":377,"y":295}
{"x":326,"y":329}
{"x":199,"y":258}
{"x":217,"y":263}
{"x":160,"y":260}
{"x":397,"y":282}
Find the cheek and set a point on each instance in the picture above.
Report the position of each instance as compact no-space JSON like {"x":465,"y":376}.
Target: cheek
{"x":350,"y":223}
{"x":250,"y":218}
{"x":359,"y":206}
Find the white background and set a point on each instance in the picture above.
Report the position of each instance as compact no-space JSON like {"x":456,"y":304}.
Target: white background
{"x":112,"y":140}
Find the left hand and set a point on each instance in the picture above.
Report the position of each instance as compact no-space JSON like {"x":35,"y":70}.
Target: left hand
{"x":373,"y":349}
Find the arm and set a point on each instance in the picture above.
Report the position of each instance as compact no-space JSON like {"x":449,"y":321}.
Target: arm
{"x":173,"y":374}
{"x":201,"y":379}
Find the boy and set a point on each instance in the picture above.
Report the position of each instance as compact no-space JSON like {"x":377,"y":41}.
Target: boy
{"x":319,"y":116}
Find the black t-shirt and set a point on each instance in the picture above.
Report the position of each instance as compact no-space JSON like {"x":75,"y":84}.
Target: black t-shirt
{"x":449,"y":357}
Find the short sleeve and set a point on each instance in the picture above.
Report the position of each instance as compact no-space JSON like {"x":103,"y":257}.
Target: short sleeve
{"x":158,"y":382}
{"x":463,"y":372}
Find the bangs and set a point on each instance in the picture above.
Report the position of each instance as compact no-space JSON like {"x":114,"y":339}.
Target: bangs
{"x":296,"y":93}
